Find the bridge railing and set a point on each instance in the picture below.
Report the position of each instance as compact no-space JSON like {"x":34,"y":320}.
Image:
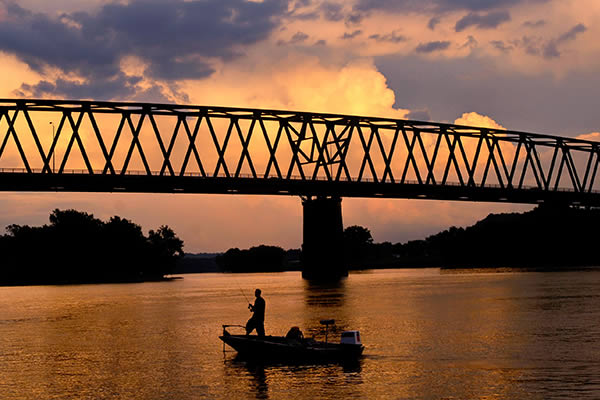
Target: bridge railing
{"x":84,"y":172}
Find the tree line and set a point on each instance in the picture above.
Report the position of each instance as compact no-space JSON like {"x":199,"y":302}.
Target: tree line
{"x":76,"y":247}
{"x":546,"y":237}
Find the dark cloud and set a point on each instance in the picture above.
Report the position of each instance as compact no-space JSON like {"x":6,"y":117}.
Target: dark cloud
{"x":549,"y":49}
{"x":534,"y":24}
{"x":482,"y":21}
{"x":176,"y":38}
{"x":500,"y":45}
{"x":392,"y":37}
{"x":532,"y":45}
{"x":302,"y":3}
{"x":299,"y":37}
{"x":156,"y":94}
{"x":572,"y":33}
{"x":430,"y":47}
{"x":180,"y":69}
{"x":351,"y":35}
{"x":433,"y":22}
{"x":304,"y":16}
{"x":355,"y":18}
{"x":471,"y":43}
{"x":297,"y":10}
{"x":332,"y":11}
{"x":121,"y":86}
{"x":436,"y":6}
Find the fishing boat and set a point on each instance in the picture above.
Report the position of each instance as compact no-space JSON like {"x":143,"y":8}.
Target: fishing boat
{"x":294,"y":346}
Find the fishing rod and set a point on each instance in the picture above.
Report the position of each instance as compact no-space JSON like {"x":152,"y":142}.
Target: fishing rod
{"x":243,"y":294}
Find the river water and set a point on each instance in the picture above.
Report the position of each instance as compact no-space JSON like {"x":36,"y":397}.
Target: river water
{"x":428,"y":334}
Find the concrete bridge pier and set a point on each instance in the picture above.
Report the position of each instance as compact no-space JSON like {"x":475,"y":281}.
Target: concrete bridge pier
{"x":322,"y":239}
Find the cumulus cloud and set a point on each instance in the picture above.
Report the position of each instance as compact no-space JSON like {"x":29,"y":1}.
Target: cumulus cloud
{"x":431,"y":47}
{"x":594,"y":136}
{"x":482,"y":21}
{"x":476,"y":119}
{"x":351,"y":35}
{"x":302,"y":84}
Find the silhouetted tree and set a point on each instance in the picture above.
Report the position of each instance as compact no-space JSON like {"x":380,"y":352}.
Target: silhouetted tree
{"x":358,"y":244}
{"x":546,"y":236}
{"x":256,"y":259}
{"x":76,"y":247}
{"x":165,"y":247}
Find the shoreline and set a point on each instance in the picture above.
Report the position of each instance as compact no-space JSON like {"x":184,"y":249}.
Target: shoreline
{"x":73,"y":283}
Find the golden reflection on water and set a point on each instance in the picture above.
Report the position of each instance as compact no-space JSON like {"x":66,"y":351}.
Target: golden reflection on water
{"x":427,"y":335}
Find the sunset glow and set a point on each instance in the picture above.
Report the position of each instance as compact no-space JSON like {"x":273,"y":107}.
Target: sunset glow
{"x":525,"y":65}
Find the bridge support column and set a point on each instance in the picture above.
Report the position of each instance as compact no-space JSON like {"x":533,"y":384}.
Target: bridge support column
{"x":322,"y":247}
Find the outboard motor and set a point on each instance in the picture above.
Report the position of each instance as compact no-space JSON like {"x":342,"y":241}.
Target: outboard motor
{"x":350,"y":337}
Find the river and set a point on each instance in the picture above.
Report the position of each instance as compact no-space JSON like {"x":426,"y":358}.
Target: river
{"x":429,"y":334}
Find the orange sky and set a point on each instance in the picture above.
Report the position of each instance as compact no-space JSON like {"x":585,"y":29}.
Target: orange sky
{"x":518,"y":64}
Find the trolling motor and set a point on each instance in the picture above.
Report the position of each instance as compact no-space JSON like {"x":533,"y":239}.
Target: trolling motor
{"x":327,"y":322}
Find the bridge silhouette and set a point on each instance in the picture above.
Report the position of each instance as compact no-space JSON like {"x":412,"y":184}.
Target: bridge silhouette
{"x":90,"y":146}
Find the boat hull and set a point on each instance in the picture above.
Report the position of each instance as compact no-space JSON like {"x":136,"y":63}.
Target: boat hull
{"x":278,"y":347}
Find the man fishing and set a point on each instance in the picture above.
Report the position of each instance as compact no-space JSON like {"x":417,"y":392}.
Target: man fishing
{"x":257,"y":321}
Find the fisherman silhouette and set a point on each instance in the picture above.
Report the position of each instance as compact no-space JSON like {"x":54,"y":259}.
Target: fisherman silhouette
{"x":257,"y":321}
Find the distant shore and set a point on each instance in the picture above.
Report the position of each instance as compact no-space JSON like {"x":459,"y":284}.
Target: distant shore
{"x":67,"y":282}
{"x":76,"y":249}
{"x":544,"y":239}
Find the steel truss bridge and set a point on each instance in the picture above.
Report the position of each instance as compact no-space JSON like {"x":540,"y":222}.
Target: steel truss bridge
{"x":80,"y":146}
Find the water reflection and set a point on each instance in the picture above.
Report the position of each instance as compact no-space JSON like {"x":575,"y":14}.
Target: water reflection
{"x":325,"y":300}
{"x":286,"y":377}
{"x":258,"y":381}
{"x":324,"y":294}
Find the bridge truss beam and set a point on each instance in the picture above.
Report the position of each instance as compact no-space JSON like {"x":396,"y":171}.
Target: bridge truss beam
{"x":143,"y":147}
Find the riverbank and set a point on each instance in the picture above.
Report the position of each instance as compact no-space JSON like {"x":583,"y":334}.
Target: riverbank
{"x":70,"y":282}
{"x":545,"y":238}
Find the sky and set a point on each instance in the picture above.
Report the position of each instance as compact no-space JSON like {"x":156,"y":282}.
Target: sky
{"x":527,"y":65}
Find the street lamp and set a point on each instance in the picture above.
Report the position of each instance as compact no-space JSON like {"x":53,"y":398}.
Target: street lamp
{"x":52,"y":147}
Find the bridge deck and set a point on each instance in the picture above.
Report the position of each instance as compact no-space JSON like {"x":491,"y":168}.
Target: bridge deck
{"x":192,"y":183}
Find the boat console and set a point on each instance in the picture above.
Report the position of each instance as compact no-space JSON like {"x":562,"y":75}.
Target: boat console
{"x":350,"y":337}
